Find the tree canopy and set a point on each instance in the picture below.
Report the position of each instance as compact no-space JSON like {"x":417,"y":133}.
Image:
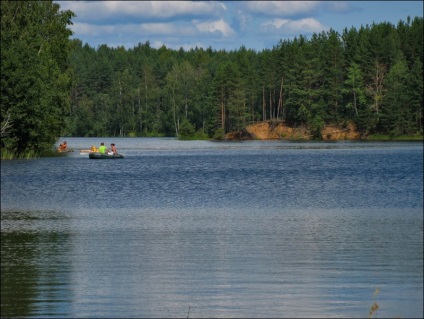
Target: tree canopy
{"x":52,"y":86}
{"x":35,"y":78}
{"x":371,"y":77}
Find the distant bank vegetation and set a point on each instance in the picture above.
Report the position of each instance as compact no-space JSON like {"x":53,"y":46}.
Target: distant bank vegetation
{"x":273,"y":130}
{"x":52,"y":86}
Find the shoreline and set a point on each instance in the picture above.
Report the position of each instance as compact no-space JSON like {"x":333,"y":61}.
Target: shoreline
{"x":278,"y":130}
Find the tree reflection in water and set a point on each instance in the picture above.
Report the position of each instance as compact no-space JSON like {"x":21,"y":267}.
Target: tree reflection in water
{"x":33,"y":265}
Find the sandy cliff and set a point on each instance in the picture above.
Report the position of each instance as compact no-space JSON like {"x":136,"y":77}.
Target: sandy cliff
{"x":269,"y":130}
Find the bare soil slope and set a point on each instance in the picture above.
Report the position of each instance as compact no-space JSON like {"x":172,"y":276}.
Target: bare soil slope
{"x":271,"y":130}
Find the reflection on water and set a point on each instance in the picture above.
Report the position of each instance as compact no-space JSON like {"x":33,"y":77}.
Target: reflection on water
{"x":35,"y":265}
{"x":232,"y":263}
{"x":242,"y":232}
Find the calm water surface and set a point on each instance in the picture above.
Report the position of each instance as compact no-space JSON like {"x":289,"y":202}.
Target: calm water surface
{"x":207,"y":229}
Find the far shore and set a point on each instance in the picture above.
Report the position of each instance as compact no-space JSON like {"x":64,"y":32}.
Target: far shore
{"x":278,"y":130}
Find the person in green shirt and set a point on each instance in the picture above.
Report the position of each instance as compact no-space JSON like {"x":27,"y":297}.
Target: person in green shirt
{"x":102,"y":148}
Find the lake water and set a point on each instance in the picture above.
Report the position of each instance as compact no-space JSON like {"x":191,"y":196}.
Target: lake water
{"x":214,"y":229}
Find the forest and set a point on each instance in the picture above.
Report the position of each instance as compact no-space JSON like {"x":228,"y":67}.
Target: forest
{"x":371,"y":76}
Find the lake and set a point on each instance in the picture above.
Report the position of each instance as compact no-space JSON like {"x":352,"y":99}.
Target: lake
{"x":214,"y":229}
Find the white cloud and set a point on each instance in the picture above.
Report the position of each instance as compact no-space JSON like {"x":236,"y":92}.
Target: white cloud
{"x":244,"y":20}
{"x":85,"y":29}
{"x":307,"y":24}
{"x":277,"y":23}
{"x":219,"y":25}
{"x":103,"y":10}
{"x":294,"y":27}
{"x":222,"y":24}
{"x":164,"y":29}
{"x":145,"y":29}
{"x":282,"y":8}
{"x":159,"y":9}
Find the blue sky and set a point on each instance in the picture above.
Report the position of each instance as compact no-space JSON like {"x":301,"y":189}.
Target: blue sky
{"x":225,"y":25}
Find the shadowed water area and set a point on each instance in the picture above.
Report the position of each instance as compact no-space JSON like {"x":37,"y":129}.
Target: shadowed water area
{"x":214,"y":229}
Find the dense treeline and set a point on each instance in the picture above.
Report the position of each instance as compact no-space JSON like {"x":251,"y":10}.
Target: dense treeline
{"x":52,"y":86}
{"x":371,"y":76}
{"x":35,"y":77}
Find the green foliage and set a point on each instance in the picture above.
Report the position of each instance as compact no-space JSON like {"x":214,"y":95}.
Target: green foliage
{"x":396,"y":112}
{"x":304,"y":115}
{"x":371,"y":76}
{"x":35,"y":81}
{"x":186,"y":129}
{"x":199,"y":135}
{"x":415,"y":94}
{"x":219,"y":134}
{"x":355,"y":88}
{"x":316,"y":126}
{"x":327,"y":79}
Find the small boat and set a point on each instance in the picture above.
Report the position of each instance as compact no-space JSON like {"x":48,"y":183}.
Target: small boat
{"x":97,"y":155}
{"x":85,"y":151}
{"x":62,"y":153}
{"x":68,"y":150}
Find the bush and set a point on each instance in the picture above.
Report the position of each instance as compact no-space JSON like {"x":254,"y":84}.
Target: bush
{"x":186,"y":130}
{"x":316,"y":126}
{"x":219,"y":134}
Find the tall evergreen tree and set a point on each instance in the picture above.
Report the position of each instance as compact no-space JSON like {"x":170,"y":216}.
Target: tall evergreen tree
{"x":415,"y":92}
{"x":354,"y":88}
{"x":396,"y":115}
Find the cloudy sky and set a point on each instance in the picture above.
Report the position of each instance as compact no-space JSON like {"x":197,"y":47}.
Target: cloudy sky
{"x":225,"y":25}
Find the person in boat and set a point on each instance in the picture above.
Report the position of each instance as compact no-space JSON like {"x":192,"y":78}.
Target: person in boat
{"x":63,"y":147}
{"x":94,"y":149}
{"x":103,"y":149}
{"x":112,"y":146}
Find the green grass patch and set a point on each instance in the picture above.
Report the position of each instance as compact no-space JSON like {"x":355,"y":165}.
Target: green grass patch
{"x":199,"y":135}
{"x":7,"y":154}
{"x":10,"y":155}
{"x":153,"y":134}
